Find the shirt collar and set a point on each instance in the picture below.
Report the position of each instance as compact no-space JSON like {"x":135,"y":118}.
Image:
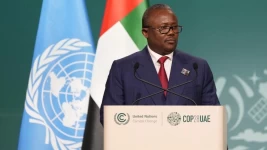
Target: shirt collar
{"x":155,"y":56}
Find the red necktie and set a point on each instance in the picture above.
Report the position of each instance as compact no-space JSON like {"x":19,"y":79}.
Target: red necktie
{"x":162,"y":73}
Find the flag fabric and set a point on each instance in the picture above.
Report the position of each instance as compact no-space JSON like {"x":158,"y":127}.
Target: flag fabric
{"x":120,"y":36}
{"x":57,"y":96}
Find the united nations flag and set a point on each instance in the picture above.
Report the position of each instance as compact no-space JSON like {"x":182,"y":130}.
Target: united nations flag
{"x":60,"y":79}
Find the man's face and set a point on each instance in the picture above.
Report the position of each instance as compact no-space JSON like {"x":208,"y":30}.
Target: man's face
{"x":161,"y":43}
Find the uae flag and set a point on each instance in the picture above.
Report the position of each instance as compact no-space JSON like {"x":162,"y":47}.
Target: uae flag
{"x":120,"y":36}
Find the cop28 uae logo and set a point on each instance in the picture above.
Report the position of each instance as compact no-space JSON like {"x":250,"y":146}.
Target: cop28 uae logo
{"x":174,"y":118}
{"x":121,"y":118}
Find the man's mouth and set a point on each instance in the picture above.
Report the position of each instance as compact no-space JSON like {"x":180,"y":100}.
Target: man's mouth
{"x":170,"y":41}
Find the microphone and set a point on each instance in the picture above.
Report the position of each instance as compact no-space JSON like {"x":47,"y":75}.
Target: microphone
{"x":195,"y":66}
{"x":136,"y":66}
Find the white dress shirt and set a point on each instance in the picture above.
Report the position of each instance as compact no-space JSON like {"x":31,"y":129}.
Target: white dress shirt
{"x":167,"y":64}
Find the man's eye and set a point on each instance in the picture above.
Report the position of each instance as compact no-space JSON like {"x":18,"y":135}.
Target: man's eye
{"x":165,"y":27}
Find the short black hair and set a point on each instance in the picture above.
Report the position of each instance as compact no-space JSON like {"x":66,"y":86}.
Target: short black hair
{"x":148,"y":11}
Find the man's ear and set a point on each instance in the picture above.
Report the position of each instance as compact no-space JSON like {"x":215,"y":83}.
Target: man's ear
{"x":145,"y":32}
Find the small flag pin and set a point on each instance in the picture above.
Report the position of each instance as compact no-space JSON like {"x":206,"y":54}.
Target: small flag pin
{"x":185,"y":72}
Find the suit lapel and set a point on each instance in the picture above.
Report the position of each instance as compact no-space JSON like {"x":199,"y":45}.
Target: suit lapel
{"x":147,"y":71}
{"x":176,"y":77}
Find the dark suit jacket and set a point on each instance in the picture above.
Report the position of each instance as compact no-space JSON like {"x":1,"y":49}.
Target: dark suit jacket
{"x":122,"y":88}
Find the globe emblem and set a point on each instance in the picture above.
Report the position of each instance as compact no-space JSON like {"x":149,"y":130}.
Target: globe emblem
{"x":174,"y":118}
{"x":65,"y":93}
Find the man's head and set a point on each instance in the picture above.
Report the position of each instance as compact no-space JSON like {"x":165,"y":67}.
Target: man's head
{"x":156,"y":23}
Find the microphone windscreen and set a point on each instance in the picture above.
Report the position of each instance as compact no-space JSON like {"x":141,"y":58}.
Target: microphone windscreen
{"x":136,"y":66}
{"x":195,"y":66}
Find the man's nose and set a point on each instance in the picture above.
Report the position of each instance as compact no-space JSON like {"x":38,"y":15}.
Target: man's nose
{"x":171,"y":32}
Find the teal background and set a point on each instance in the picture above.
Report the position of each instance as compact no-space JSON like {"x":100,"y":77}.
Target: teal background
{"x":230,"y":34}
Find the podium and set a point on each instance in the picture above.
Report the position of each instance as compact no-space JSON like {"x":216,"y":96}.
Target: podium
{"x":165,"y":128}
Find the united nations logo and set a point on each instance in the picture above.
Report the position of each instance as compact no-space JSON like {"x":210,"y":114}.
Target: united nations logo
{"x":58,"y":92}
{"x":121,"y":118}
{"x":174,"y":118}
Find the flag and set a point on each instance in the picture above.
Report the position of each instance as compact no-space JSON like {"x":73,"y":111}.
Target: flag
{"x":120,"y":36}
{"x":57,"y":96}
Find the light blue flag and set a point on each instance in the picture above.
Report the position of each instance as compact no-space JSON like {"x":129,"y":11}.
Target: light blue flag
{"x":60,"y":78}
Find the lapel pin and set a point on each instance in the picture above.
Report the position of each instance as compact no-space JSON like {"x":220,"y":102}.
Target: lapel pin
{"x":185,"y":72}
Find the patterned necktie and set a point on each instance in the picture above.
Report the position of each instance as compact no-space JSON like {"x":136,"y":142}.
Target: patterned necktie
{"x":162,"y":73}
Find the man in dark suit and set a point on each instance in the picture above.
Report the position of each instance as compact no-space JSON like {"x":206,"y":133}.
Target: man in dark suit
{"x":162,"y":65}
